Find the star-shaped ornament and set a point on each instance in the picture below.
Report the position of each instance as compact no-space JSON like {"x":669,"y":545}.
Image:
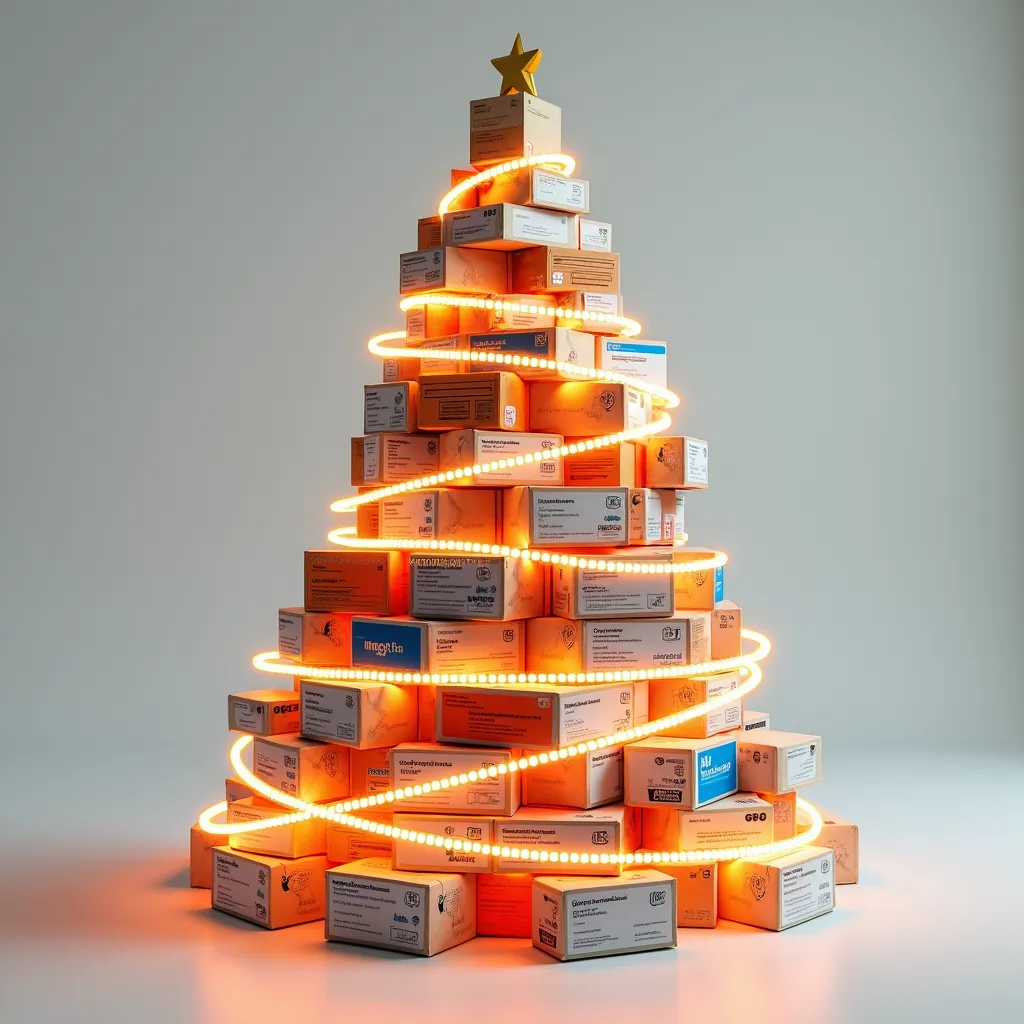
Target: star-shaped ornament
{"x":517,"y":68}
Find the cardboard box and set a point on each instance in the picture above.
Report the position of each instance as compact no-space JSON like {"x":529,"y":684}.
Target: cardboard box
{"x":783,"y":813}
{"x":357,"y":713}
{"x":613,"y":829}
{"x":370,"y":770}
{"x":756,"y":720}
{"x":307,"y":769}
{"x":700,"y":590}
{"x":547,"y":269}
{"x":200,"y":857}
{"x":664,"y":771}
{"x":557,"y":343}
{"x":413,"y":856}
{"x":368,"y":519}
{"x":580,"y":918}
{"x":345,"y":843}
{"x":509,"y":313}
{"x":726,"y":630}
{"x":680,"y":462}
{"x":442,"y":514}
{"x":449,"y":268}
{"x":418,"y":645}
{"x":511,"y":127}
{"x":266,"y":890}
{"x":476,"y":447}
{"x":370,"y":904}
{"x":656,"y":516}
{"x":304,"y":838}
{"x":537,"y":186}
{"x":595,"y":235}
{"x":608,"y":303}
{"x":536,"y":717}
{"x":486,"y":587}
{"x":360,"y":582}
{"x":612,"y":593}
{"x":314,"y":638}
{"x":428,"y":232}
{"x":419,"y":764}
{"x":587,"y":408}
{"x":643,"y":360}
{"x":392,"y":458}
{"x":427,"y":732}
{"x":556,"y":517}
{"x":469,"y":198}
{"x":263,"y":712}
{"x":506,"y":226}
{"x":555,"y":644}
{"x":696,"y":893}
{"x":614,"y":465}
{"x":504,"y":905}
{"x":670,"y":696}
{"x":743,"y":819}
{"x":483,"y":401}
{"x":780,"y":892}
{"x":842,"y":837}
{"x":778,"y":762}
{"x":434,"y":326}
{"x":236,"y":789}
{"x":389,"y":407}
{"x":587,"y":780}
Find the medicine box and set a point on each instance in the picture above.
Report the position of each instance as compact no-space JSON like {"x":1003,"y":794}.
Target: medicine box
{"x":587,"y":408}
{"x":509,"y":313}
{"x":314,"y":638}
{"x":481,"y":401}
{"x":550,"y":269}
{"x":268,"y":891}
{"x":670,"y":696}
{"x":508,"y":226}
{"x":700,"y":589}
{"x":555,"y":516}
{"x":743,"y":819}
{"x":468,"y":829}
{"x":778,"y":762}
{"x":460,"y":448}
{"x":575,"y":918}
{"x":656,"y":516}
{"x":680,"y":462}
{"x":612,"y":465}
{"x":587,"y":780}
{"x":200,"y":857}
{"x":359,"y":582}
{"x":537,"y":186}
{"x":486,"y":587}
{"x":666,"y":772}
{"x":346,"y":843}
{"x":303,"y":838}
{"x":306,"y":769}
{"x":263,"y":712}
{"x":504,"y":905}
{"x":446,"y":513}
{"x":392,"y":458}
{"x":359,"y":713}
{"x":610,"y":592}
{"x":645,"y":361}
{"x":451,"y":268}
{"x":512,"y":126}
{"x":371,"y":904}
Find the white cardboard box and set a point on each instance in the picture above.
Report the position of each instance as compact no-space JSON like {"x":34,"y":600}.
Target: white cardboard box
{"x":414,"y":764}
{"x":359,"y":714}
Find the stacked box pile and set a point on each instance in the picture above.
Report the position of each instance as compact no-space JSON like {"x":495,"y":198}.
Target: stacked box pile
{"x":416,"y":880}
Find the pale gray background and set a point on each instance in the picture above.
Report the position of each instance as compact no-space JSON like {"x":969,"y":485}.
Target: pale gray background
{"x":201,"y":207}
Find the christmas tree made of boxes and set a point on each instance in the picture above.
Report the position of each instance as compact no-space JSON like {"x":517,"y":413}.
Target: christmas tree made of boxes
{"x":518,"y":695}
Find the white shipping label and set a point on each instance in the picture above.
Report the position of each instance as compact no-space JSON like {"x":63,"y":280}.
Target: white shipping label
{"x":541,"y":227}
{"x":595,"y":235}
{"x":601,"y":302}
{"x":620,"y":592}
{"x":330,"y":713}
{"x":808,"y":889}
{"x":421,"y":270}
{"x":371,"y":458}
{"x":553,"y":189}
{"x":249,"y":715}
{"x":241,"y":886}
{"x":620,"y":919}
{"x":386,"y":408}
{"x":457,"y":587}
{"x":476,"y":647}
{"x":595,"y":713}
{"x":289,"y":635}
{"x":378,"y":912}
{"x":696,"y":461}
{"x":410,"y":517}
{"x":801,"y":763}
{"x":586,"y":517}
{"x":494,"y":446}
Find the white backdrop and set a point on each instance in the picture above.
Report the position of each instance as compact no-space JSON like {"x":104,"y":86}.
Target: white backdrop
{"x":201,"y":210}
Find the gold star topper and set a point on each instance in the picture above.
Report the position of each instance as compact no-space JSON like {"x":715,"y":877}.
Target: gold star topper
{"x":517,"y":69}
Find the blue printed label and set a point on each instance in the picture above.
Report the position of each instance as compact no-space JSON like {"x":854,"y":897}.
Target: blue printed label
{"x":646,"y":348}
{"x":720,"y":583}
{"x":521,"y":343}
{"x":380,"y":643}
{"x":716,"y":773}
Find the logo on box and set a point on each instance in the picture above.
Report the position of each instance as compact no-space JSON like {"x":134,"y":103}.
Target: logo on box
{"x":659,"y":898}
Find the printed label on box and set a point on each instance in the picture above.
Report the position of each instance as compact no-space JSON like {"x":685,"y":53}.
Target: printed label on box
{"x":579,"y":516}
{"x":801,"y":764}
{"x":806,"y":889}
{"x":696,"y":461}
{"x":374,"y":910}
{"x":240,"y":886}
{"x":553,"y":189}
{"x":620,"y":917}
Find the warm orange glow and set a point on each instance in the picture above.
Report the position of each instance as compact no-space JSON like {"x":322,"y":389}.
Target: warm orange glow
{"x":557,"y":162}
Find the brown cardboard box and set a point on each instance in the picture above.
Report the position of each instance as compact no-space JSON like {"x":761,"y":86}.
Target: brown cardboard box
{"x":236,"y":789}
{"x":778,"y":762}
{"x":346,"y":843}
{"x":506,"y":226}
{"x":307,"y":769}
{"x":780,"y":892}
{"x":487,"y":587}
{"x":726,"y":630}
{"x":696,"y":895}
{"x":392,"y":458}
{"x":390,"y":407}
{"x":427,"y":732}
{"x":527,"y":313}
{"x":263,"y":712}
{"x":743,"y":819}
{"x":468,"y":199}
{"x":680,"y":462}
{"x":359,"y":713}
{"x":200,"y":857}
{"x":586,"y":408}
{"x":511,"y":127}
{"x":537,"y":186}
{"x":371,"y":769}
{"x":454,"y":269}
{"x":614,"y":465}
{"x":575,"y":919}
{"x":447,"y":513}
{"x":428,"y":232}
{"x":268,"y":891}
{"x":360,"y":582}
{"x":412,"y":856}
{"x":368,"y":517}
{"x":669,"y":696}
{"x":663,"y":771}
{"x":843,"y":838}
{"x":417,"y":764}
{"x":315,"y":638}
{"x":784,"y":811}
{"x":422,"y":914}
{"x":554,"y":343}
{"x":548,"y":269}
{"x":303,"y":838}
{"x":504,"y":905}
{"x":433,"y":324}
{"x":461,"y":448}
{"x":482,"y":401}
{"x":587,"y":780}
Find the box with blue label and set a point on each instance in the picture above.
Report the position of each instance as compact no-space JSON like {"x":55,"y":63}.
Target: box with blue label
{"x":557,"y":343}
{"x":507,"y":226}
{"x":643,"y":360}
{"x":416,"y":645}
{"x":686,"y":774}
{"x":701,"y":589}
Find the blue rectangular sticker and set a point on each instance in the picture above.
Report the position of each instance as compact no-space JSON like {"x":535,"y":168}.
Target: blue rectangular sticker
{"x":716,"y":773}
{"x":720,"y":583}
{"x":383,"y":643}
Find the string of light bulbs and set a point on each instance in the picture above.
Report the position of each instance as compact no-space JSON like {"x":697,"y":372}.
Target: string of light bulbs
{"x":346,"y":812}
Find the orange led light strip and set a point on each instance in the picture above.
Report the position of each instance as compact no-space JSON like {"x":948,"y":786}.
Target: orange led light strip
{"x":560,"y":163}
